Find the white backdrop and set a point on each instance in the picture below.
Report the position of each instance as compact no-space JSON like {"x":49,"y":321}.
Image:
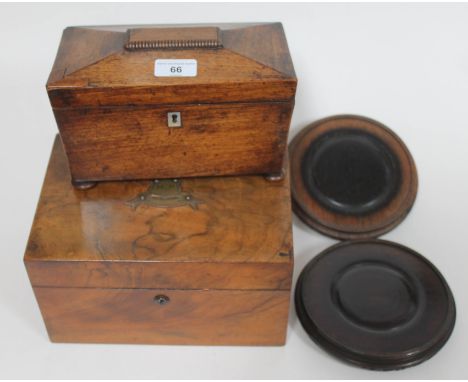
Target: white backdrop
{"x":404,"y":65}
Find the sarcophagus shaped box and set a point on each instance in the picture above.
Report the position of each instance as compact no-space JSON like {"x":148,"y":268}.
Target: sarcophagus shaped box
{"x":150,"y":102}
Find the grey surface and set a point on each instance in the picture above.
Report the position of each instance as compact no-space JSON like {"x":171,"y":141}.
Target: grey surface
{"x":404,"y":65}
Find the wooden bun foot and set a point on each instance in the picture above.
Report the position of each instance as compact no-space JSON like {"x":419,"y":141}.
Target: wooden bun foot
{"x":83,"y":185}
{"x":275,"y":177}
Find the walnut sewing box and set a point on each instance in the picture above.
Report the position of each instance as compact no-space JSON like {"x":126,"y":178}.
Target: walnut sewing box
{"x":166,"y":261}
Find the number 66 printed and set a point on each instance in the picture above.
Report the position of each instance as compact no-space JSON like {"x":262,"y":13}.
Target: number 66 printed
{"x":175,"y":68}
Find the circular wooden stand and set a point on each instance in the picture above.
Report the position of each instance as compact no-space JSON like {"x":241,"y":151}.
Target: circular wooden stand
{"x":351,"y":177}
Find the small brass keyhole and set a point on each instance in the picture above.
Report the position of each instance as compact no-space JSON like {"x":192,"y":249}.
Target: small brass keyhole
{"x":174,"y":119}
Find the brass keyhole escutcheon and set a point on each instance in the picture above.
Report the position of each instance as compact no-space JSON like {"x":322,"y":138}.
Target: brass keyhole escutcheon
{"x":161,"y":299}
{"x":174,"y":119}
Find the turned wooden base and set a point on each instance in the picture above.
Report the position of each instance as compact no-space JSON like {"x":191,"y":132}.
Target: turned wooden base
{"x":344,"y":216}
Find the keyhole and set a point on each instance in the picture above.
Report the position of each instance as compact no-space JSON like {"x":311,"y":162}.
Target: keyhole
{"x":174,"y":119}
{"x":161,"y":299}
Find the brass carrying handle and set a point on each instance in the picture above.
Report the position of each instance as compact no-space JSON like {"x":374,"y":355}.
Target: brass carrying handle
{"x":173,"y":38}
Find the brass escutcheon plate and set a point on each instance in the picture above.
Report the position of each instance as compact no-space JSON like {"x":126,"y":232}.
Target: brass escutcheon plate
{"x":165,"y":193}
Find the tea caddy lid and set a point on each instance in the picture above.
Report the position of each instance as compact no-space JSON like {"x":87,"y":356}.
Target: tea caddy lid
{"x":128,"y":65}
{"x":351,"y":177}
{"x":376,"y":304}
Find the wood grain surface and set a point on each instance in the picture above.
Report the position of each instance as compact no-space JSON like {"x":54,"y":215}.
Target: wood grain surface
{"x":219,"y":251}
{"x":349,"y":226}
{"x":235,"y":233}
{"x":203,"y":317}
{"x":92,"y":61}
{"x":135,"y":142}
{"x":112,"y":110}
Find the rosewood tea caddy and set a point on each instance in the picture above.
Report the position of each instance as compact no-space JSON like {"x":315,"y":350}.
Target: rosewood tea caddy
{"x":147,"y":102}
{"x":192,"y":261}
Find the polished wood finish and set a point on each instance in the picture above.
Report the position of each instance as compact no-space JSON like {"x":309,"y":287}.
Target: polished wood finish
{"x":202,"y":317}
{"x":349,"y":225}
{"x":376,"y":304}
{"x":242,"y":225}
{"x":214,"y":140}
{"x":202,"y":238}
{"x":235,"y":113}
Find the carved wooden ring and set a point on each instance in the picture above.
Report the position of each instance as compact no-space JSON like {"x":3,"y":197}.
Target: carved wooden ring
{"x":375,"y":304}
{"x":351,"y":177}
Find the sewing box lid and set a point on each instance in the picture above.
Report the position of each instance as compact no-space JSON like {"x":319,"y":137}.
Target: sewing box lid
{"x":197,"y":233}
